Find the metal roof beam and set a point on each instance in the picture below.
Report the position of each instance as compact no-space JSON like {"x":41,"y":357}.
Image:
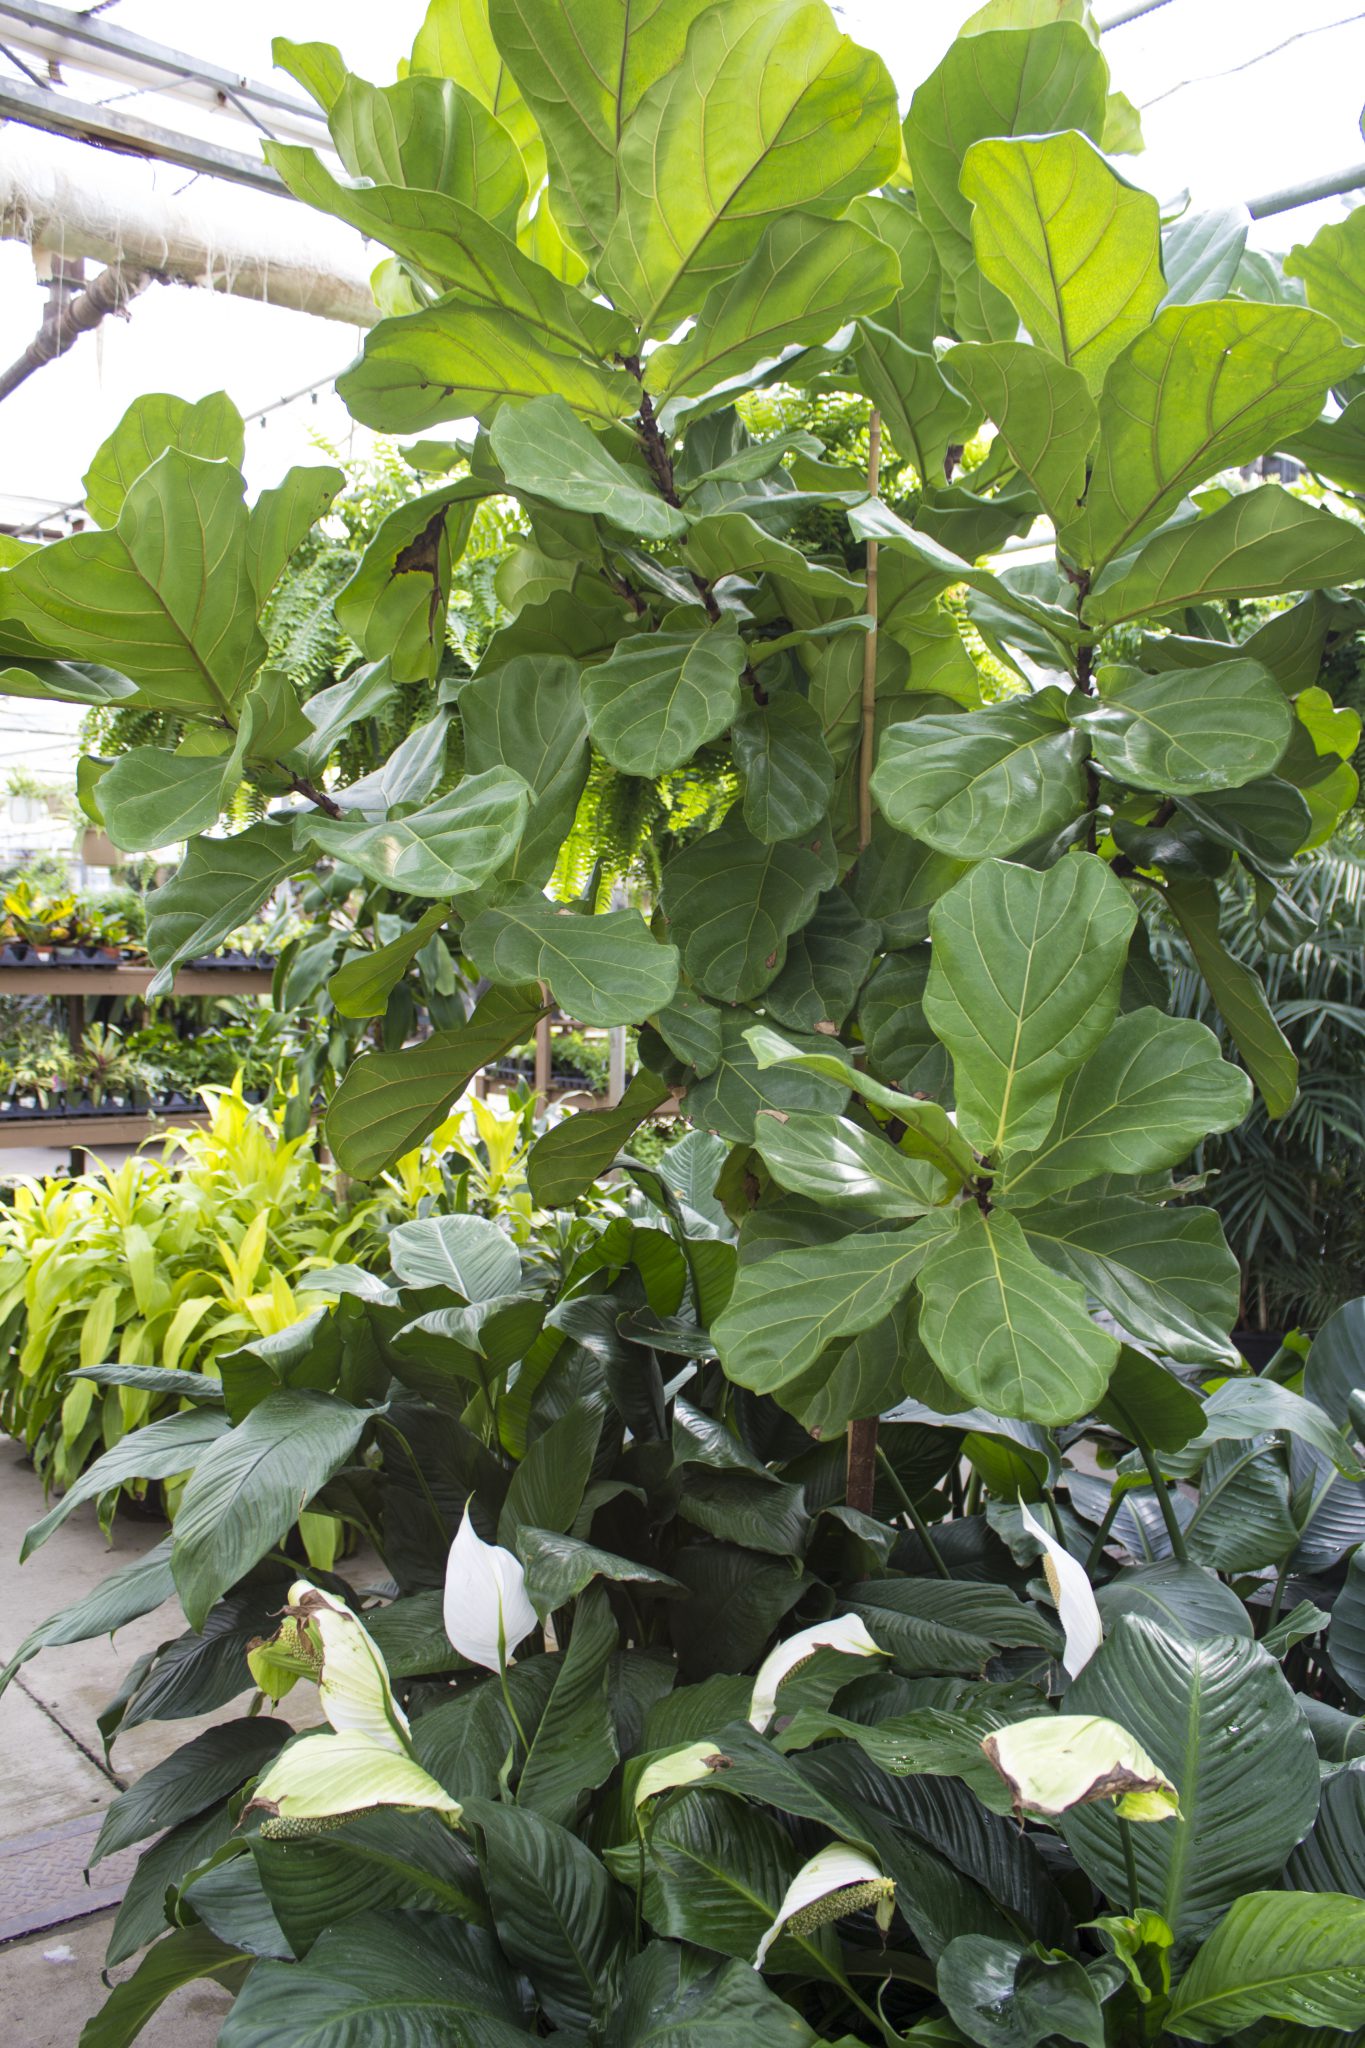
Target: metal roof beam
{"x":58,"y":114}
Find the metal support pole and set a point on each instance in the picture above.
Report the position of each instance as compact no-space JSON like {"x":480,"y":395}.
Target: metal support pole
{"x":616,"y":1064}
{"x":544,"y":1064}
{"x":1326,"y":187}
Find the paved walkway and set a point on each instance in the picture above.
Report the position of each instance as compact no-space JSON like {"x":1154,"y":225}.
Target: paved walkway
{"x":55,"y":1782}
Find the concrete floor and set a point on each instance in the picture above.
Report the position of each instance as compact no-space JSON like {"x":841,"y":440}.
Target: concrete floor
{"x":55,"y":1773}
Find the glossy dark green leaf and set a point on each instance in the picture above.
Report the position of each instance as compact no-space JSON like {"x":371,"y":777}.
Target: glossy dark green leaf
{"x":453,"y":844}
{"x":554,"y":1907}
{"x":732,"y":901}
{"x":660,"y":696}
{"x":788,"y":771}
{"x":986,"y":782}
{"x":1165,"y":1275}
{"x":602,"y":970}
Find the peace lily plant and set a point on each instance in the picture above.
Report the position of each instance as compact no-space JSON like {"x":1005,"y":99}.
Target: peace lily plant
{"x":930,"y":1249}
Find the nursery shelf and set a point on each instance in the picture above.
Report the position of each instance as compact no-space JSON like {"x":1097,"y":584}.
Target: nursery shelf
{"x":131,"y":981}
{"x":57,"y":1132}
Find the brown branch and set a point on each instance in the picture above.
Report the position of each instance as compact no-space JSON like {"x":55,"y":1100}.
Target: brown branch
{"x":301,"y":786}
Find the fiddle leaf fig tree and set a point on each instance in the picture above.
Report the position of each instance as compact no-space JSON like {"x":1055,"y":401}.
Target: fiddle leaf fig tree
{"x":906,"y":977}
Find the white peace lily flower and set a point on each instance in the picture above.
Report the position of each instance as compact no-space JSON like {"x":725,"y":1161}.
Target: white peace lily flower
{"x":845,"y":1633}
{"x":323,"y":1775}
{"x":487,"y":1608}
{"x":837,"y":1881}
{"x":1053,"y":1762}
{"x":678,"y":1767}
{"x":354,"y":1690}
{"x":1072,"y":1595}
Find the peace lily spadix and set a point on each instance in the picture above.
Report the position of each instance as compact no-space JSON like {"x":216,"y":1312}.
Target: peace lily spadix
{"x":836,"y":1882}
{"x":1075,"y":1602}
{"x":1056,"y":1761}
{"x":846,"y":1633}
{"x":487,"y":1609}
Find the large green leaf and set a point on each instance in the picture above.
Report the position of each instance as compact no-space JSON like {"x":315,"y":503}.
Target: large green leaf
{"x":671,"y":1999}
{"x":567,"y":1159}
{"x":554,"y":1907}
{"x":452,"y":359}
{"x":833,"y":1160}
{"x":136,"y":1588}
{"x":362,"y":986}
{"x":218,"y":885}
{"x":1332,"y":267}
{"x":185,"y":1956}
{"x":248,"y":1488}
{"x":192,"y":1778}
{"x":929,"y":1131}
{"x":771,"y":111}
{"x":659,"y":696}
{"x":805,"y":278}
{"x":1290,"y":1957}
{"x":1239,"y":994}
{"x":1187,"y":730}
{"x":827,"y":963}
{"x":1073,"y":247}
{"x":1166,"y":1275}
{"x":999,"y":82}
{"x":924,"y":414}
{"x":575,"y":1748}
{"x":391,"y":1980}
{"x":453,"y":844}
{"x":166,"y":597}
{"x":1179,"y":1699}
{"x":528,"y":716}
{"x":1331,"y":1857}
{"x":715,"y":1874}
{"x":1149,"y":1092}
{"x":429,"y":133}
{"x":732,"y":901}
{"x":984,"y":782}
{"x":544,"y":450}
{"x":1346,"y":1636}
{"x":788,"y":771}
{"x":1045,"y":414}
{"x":1013,"y":1335}
{"x":938,"y":1625}
{"x":162,"y":1450}
{"x":1006,"y":1997}
{"x":456,"y":41}
{"x":389,"y":1101}
{"x":394,"y":605}
{"x":1203,"y":388}
{"x":210,"y":427}
{"x":1024,"y":983}
{"x":151,"y":797}
{"x":601,"y":970}
{"x":282,"y":518}
{"x":737,"y":1088}
{"x":70,"y":682}
{"x":1259,"y":544}
{"x":788,"y":1308}
{"x":471,"y":1255}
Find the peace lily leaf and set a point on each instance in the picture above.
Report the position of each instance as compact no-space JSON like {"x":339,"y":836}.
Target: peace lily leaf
{"x":788,"y":770}
{"x":1293,"y":1957}
{"x":831,"y":1159}
{"x":166,"y":597}
{"x":452,"y":360}
{"x":467,"y":1253}
{"x":559,"y":1567}
{"x":732,"y":902}
{"x":318,"y":1776}
{"x":528,"y":716}
{"x":152,"y":798}
{"x":787,"y":1308}
{"x":1140,"y":1101}
{"x":1245,"y":1408}
{"x":543,"y":449}
{"x":739,"y":1085}
{"x":1165,"y":1275}
{"x":995,"y":1991}
{"x":1259,"y":542}
{"x":567,"y":1159}
{"x":999,"y":82}
{"x":660,"y":696}
{"x":1190,"y":729}
{"x":805,"y":279}
{"x":208,"y":427}
{"x":1013,"y":1336}
{"x":930,"y":1133}
{"x":1045,"y":414}
{"x":1075,"y":249}
{"x":1178,"y":1699}
{"x":1058,"y":1761}
{"x":770,"y":111}
{"x":1332,"y":267}
{"x":1201,"y":389}
{"x":451,"y":845}
{"x":1239,"y":994}
{"x":986,"y":782}
{"x":218,"y":885}
{"x":389,"y":1101}
{"x":602,"y":970}
{"x":1023,"y":984}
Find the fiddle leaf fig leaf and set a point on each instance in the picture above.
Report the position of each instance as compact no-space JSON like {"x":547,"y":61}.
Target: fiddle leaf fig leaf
{"x":985,"y":782}
{"x":218,"y":885}
{"x":451,"y":845}
{"x":395,"y":603}
{"x":602,"y":970}
{"x":1203,"y":388}
{"x":1011,"y":1334}
{"x":1045,"y":414}
{"x":528,"y":716}
{"x":208,"y":427}
{"x":832,"y":1160}
{"x":779,"y":749}
{"x":151,"y":797}
{"x":736,"y":1086}
{"x":1189,"y":729}
{"x":930,"y":1132}
{"x":1024,"y":984}
{"x":166,"y":597}
{"x":568,"y":1158}
{"x":1332,"y":267}
{"x":659,"y":696}
{"x":1075,"y":249}
{"x":770,"y":111}
{"x":363,"y":985}
{"x":805,"y":279}
{"x":732,"y":902}
{"x":544,"y":450}
{"x":1239,"y":994}
{"x":432,"y":135}
{"x":1165,"y":1275}
{"x":1146,"y":1095}
{"x":1259,"y":543}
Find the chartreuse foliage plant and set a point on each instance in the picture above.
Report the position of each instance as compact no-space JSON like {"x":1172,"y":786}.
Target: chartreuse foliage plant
{"x":904,"y":992}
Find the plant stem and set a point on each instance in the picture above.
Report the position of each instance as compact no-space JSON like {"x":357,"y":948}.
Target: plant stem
{"x":860,"y":1484}
{"x":507,"y":1702}
{"x":1130,"y":1865}
{"x":921,"y":1527}
{"x":1277,"y":1596}
{"x":1092,"y":1556}
{"x":1165,"y":1503}
{"x":972,"y":1504}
